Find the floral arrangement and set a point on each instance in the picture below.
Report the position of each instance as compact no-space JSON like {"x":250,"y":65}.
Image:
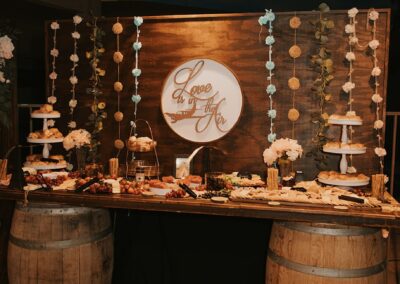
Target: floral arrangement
{"x":6,"y":62}
{"x":284,"y":148}
{"x":117,"y":29}
{"x":74,"y":58}
{"x":95,"y":122}
{"x":52,"y":99}
{"x":136,"y":72}
{"x":323,"y":64}
{"x":377,"y":99}
{"x":76,"y":139}
{"x":267,"y":19}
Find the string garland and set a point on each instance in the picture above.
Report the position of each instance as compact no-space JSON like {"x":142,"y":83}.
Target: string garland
{"x":136,"y":71}
{"x":74,"y":58}
{"x":380,"y":151}
{"x":350,"y":56}
{"x":118,"y":86}
{"x":267,"y":20}
{"x":52,"y":99}
{"x":294,"y":82}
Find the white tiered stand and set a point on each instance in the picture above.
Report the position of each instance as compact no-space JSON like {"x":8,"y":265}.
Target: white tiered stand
{"x":46,"y":142}
{"x":344,"y":153}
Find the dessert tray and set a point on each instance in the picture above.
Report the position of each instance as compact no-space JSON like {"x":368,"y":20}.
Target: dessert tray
{"x":44,"y":140}
{"x":339,"y":148}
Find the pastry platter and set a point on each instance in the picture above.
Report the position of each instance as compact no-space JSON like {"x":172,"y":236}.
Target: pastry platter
{"x":345,"y":151}
{"x":45,"y":141}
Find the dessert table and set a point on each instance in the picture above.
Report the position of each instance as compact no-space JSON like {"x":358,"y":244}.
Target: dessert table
{"x":295,"y":212}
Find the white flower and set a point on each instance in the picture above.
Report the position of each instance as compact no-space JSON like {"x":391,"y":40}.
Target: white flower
{"x":52,"y":100}
{"x":76,"y":35}
{"x":76,"y":138}
{"x":352,"y":12}
{"x":373,"y":44}
{"x":292,"y":155}
{"x":6,"y":47}
{"x":349,"y":29}
{"x":53,"y":75}
{"x":54,"y":52}
{"x":270,"y":156}
{"x":73,"y":80}
{"x":73,"y":103}
{"x":51,"y":122}
{"x":376,"y":71}
{"x":380,"y":152}
{"x":353,"y":40}
{"x":2,"y":79}
{"x":77,"y":19}
{"x":376,"y":98}
{"x":378,"y":124}
{"x":74,"y":57}
{"x":54,"y":26}
{"x":351,"y":170}
{"x":350,"y":56}
{"x":348,"y":86}
{"x":373,"y":15}
{"x":72,"y":124}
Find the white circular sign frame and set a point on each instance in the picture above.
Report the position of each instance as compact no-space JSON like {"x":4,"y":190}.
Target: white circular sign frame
{"x":201,"y":100}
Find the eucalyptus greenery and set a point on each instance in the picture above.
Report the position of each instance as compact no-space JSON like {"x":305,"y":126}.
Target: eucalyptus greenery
{"x":98,"y":113}
{"x":323,"y":64}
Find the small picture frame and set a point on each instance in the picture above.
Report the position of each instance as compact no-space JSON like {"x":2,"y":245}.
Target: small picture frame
{"x":180,"y":168}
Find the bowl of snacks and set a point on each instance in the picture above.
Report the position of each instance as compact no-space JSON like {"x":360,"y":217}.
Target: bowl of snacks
{"x":140,"y":144}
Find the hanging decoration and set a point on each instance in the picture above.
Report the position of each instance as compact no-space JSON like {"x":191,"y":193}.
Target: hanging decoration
{"x":294,"y":82}
{"x":117,"y":29}
{"x":373,"y":45}
{"x":267,"y":20}
{"x":95,"y":122}
{"x":322,"y":64}
{"x":52,"y":99}
{"x":74,"y":58}
{"x":348,"y":87}
{"x":136,"y":72}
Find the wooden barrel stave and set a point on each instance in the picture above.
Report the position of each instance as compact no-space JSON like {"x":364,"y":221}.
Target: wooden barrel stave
{"x":59,"y":244}
{"x":342,"y":254}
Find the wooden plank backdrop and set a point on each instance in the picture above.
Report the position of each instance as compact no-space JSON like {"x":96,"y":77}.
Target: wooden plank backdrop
{"x":232,"y":39}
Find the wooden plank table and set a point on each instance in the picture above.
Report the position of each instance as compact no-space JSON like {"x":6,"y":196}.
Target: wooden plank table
{"x":310,"y":213}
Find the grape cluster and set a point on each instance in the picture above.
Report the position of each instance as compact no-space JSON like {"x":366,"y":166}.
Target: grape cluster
{"x":220,"y":193}
{"x":180,"y":193}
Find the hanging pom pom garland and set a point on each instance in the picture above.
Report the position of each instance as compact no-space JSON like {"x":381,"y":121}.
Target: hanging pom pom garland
{"x":54,"y":54}
{"x":136,"y":72}
{"x":74,"y":58}
{"x":118,"y":86}
{"x":267,"y":20}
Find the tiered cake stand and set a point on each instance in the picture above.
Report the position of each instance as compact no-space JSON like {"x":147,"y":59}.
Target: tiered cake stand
{"x":344,"y":152}
{"x":46,"y":142}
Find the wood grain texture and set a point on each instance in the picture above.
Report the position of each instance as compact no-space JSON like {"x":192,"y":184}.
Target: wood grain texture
{"x":88,"y":262}
{"x":232,"y":39}
{"x":371,"y":218}
{"x":353,"y":251}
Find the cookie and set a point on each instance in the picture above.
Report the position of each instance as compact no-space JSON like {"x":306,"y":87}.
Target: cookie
{"x":118,"y":116}
{"x":119,"y":144}
{"x":294,"y":83}
{"x":293,"y":114}
{"x":294,"y":22}
{"x":118,"y":87}
{"x":295,"y":51}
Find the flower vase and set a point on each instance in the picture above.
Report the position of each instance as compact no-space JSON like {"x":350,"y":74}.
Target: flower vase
{"x":286,"y":172}
{"x":81,"y":158}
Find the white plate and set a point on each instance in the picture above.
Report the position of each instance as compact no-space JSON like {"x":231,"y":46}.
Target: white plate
{"x":41,"y":141}
{"x":47,"y":167}
{"x":345,"y":151}
{"x":343,"y":182}
{"x":160,"y":191}
{"x":46,"y":115}
{"x":344,"y":121}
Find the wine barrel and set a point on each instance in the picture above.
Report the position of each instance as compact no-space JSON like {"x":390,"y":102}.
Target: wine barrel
{"x":325,"y":253}
{"x":52,"y":243}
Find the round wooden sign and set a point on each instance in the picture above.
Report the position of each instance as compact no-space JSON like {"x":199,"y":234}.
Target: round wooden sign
{"x":201,"y":100}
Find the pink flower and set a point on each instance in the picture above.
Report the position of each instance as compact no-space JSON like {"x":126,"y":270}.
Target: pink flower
{"x":378,"y":124}
{"x":53,"y":75}
{"x":6,"y":47}
{"x":373,"y":44}
{"x":73,"y":80}
{"x":349,"y":29}
{"x":376,"y":71}
{"x":54,"y":52}
{"x":380,"y":152}
{"x":54,"y":25}
{"x":350,"y":56}
{"x":373,"y":15}
{"x":376,"y":98}
{"x":74,"y":57}
{"x":77,"y":19}
{"x":52,"y":100}
{"x":76,"y":35}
